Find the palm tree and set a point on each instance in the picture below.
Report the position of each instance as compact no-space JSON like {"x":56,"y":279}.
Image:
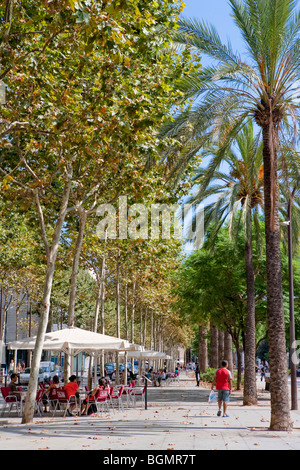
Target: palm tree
{"x":226,"y":94}
{"x":238,"y":199}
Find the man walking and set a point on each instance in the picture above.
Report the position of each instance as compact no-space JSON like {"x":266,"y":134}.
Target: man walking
{"x":223,"y":382}
{"x":197,"y":374}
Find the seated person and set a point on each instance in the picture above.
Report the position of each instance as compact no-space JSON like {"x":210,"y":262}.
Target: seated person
{"x":13,"y":386}
{"x":103,"y":385}
{"x":159,"y":377}
{"x":72,"y":389}
{"x":150,"y":373}
{"x":55,"y":384}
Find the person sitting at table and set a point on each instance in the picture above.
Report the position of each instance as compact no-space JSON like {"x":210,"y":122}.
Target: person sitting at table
{"x":131,"y":376}
{"x":105,"y":383}
{"x":55,"y":384}
{"x":102,"y":385}
{"x":72,"y":389}
{"x":158,"y":378}
{"x":150,"y":373}
{"x":13,"y":386}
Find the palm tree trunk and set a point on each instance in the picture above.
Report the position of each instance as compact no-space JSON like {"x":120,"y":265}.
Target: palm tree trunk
{"x":239,"y":365}
{"x":228,"y":350}
{"x":220,"y":347}
{"x":213,"y":346}
{"x":280,"y":414}
{"x":250,"y":393}
{"x":202,"y":351}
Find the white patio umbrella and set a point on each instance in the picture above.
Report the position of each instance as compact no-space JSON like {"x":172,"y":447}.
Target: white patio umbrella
{"x":145,"y":354}
{"x":73,"y":341}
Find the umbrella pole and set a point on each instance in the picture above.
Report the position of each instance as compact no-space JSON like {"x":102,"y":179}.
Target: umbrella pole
{"x":95,"y":370}
{"x":125,"y":367}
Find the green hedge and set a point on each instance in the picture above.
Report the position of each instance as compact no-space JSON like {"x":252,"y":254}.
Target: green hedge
{"x":208,"y":376}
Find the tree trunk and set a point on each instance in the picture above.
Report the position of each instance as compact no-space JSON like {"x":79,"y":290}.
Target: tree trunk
{"x":228,"y":350}
{"x":141,"y":325}
{"x":73,"y":283}
{"x":126,"y":309}
{"x":202,"y":352}
{"x":75,"y":268}
{"x":118,"y":322}
{"x":133,"y":312}
{"x":213,"y":346}
{"x":250,"y":392}
{"x":151,"y":330}
{"x":99,"y":309}
{"x":145,"y":328}
{"x":51,"y":252}
{"x":220,"y":347}
{"x":280,"y":413}
{"x":239,"y":366}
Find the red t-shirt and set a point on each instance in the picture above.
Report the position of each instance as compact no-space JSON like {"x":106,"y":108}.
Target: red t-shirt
{"x":223,"y":376}
{"x":71,"y":388}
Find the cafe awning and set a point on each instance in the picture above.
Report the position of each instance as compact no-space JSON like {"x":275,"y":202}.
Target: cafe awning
{"x":73,"y":341}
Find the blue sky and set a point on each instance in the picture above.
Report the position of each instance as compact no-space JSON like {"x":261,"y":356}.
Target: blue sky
{"x":217,"y":13}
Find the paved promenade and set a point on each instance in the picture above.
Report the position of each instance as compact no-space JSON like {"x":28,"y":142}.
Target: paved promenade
{"x":178,"y":418}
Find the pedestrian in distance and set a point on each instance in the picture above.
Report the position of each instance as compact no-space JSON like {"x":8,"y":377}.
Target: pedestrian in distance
{"x":11,"y":368}
{"x":197,"y":374}
{"x":223,"y":383}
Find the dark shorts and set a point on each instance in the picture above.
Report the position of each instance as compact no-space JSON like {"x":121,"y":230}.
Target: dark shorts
{"x":223,"y":395}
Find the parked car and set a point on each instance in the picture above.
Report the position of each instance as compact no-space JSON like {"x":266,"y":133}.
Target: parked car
{"x":110,"y":367}
{"x":24,"y":376}
{"x":298,"y":372}
{"x":59,"y":371}
{"x":135,"y":370}
{"x":49,"y":370}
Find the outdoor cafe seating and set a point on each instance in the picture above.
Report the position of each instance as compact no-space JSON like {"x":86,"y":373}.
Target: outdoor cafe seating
{"x":11,"y":401}
{"x":58,"y":400}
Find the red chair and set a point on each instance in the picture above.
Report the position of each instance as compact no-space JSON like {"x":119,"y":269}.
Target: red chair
{"x":53,"y":400}
{"x":39,"y":401}
{"x":57,"y":397}
{"x":64,"y":399}
{"x":116,"y":395}
{"x":102,"y":400}
{"x":10,"y":400}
